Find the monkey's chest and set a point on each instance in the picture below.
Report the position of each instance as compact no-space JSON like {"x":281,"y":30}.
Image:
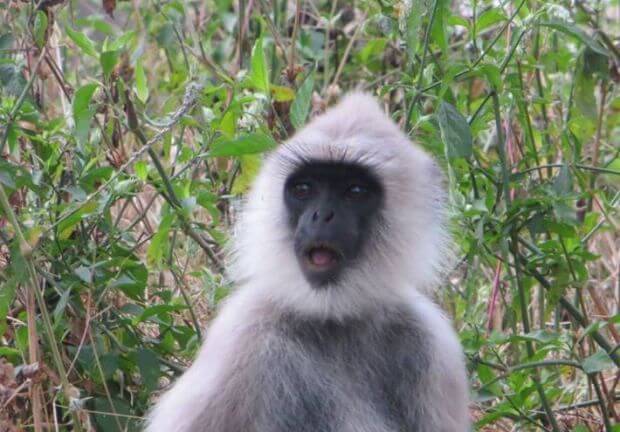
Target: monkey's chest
{"x":331,"y":377}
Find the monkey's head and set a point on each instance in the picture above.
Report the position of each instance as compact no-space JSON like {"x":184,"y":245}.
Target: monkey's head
{"x":345,"y":214}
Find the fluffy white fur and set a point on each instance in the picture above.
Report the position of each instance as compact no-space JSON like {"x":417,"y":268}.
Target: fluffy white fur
{"x":401,"y":265}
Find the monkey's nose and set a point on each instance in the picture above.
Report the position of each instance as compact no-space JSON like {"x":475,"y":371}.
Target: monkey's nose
{"x":326,"y":215}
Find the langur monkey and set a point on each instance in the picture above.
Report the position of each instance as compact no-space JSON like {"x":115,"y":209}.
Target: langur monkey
{"x":331,"y":328}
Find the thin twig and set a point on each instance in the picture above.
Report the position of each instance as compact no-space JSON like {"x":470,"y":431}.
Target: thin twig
{"x":291,"y":58}
{"x":347,"y":51}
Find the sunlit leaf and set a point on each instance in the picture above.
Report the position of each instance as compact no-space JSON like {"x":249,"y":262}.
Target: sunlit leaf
{"x":259,"y":74}
{"x":141,"y":168}
{"x":282,"y":94}
{"x":245,"y":144}
{"x":250,"y":165}
{"x":302,"y":103}
{"x":40,"y":28}
{"x":108,"y":61}
{"x":82,"y":41}
{"x":489,"y":17}
{"x":82,"y":113}
{"x":68,"y":224}
{"x":159,"y":243}
{"x":142,"y":89}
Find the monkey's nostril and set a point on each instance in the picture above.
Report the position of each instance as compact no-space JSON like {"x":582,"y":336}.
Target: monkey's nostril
{"x":315,"y":216}
{"x":329,"y":216}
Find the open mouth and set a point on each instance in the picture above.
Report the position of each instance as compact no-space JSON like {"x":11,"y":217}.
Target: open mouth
{"x":322,"y":257}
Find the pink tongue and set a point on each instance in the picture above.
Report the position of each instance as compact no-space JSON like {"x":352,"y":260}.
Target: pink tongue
{"x":321,"y":257}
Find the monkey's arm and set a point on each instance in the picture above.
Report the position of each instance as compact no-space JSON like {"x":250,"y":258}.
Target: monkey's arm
{"x":444,"y":393}
{"x":228,"y":345}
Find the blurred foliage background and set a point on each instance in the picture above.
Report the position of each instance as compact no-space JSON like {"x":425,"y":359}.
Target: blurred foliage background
{"x":129,"y":130}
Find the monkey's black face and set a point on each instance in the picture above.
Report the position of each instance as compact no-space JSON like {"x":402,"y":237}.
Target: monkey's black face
{"x":332,"y":207}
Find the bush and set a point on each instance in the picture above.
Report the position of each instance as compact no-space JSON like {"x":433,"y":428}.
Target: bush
{"x":129,"y":129}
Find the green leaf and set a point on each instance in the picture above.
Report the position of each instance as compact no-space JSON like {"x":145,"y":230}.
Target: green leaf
{"x":67,"y":225}
{"x":414,"y":19}
{"x":250,"y":165}
{"x":122,"y":41}
{"x":12,"y":79}
{"x":19,"y":265}
{"x":113,"y":418}
{"x":542,"y":336}
{"x":94,"y":177}
{"x":108,"y":60}
{"x":373,"y":48}
{"x":149,"y":368}
{"x":282,"y":94}
{"x":228,"y":124}
{"x":159,"y":242}
{"x":61,"y":306}
{"x":585,"y":100}
{"x":7,"y":294}
{"x":593,"y":327}
{"x":563,"y":182}
{"x":595,"y":64}
{"x":132,"y":281}
{"x":455,"y":132}
{"x":12,"y":354}
{"x":82,"y":41}
{"x":142,"y":89}
{"x":488,"y":18}
{"x":82,"y":97}
{"x":82,"y":113}
{"x":161,"y":310}
{"x":439,"y":32}
{"x":574,"y":31}
{"x":142,"y":170}
{"x":493,"y":75}
{"x":259,"y":74}
{"x":84,"y":273}
{"x":208,"y":201}
{"x":597,"y":362}
{"x":301,"y":105}
{"x":454,"y":20}
{"x":40,"y":28}
{"x":6,"y":41}
{"x":245,"y":144}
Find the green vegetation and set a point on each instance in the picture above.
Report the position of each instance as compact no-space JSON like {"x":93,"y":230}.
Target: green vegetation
{"x":129,"y":129}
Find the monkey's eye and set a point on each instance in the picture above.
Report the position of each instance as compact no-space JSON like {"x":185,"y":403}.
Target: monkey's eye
{"x":301,"y":190}
{"x":356,"y":192}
